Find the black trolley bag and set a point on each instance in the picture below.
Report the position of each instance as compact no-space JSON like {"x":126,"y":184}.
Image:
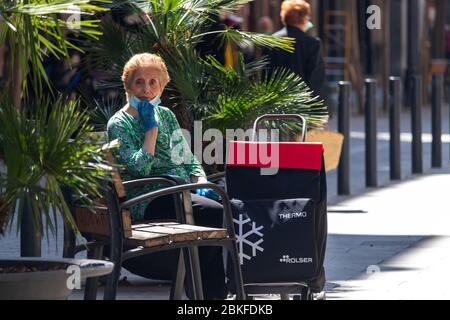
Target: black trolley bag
{"x":280,"y":215}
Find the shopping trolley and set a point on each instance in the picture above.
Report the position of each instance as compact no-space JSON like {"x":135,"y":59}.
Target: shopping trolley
{"x":279,"y":200}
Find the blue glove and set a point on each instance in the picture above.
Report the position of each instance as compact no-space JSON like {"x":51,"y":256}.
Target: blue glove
{"x":208,"y":193}
{"x":146,"y":111}
{"x":147,"y":115}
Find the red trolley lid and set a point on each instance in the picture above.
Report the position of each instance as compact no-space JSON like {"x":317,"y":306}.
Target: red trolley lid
{"x":289,"y":155}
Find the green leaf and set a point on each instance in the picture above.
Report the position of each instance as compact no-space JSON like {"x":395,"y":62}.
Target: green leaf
{"x":3,"y":18}
{"x":44,"y":151}
{"x":34,"y":26}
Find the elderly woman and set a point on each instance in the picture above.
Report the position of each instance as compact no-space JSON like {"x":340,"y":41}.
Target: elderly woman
{"x":146,"y":134}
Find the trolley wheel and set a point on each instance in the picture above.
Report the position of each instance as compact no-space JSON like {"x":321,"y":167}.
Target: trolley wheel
{"x":307,"y":294}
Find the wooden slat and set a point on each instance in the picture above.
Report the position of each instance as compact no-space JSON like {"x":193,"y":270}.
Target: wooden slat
{"x":120,"y":189}
{"x":175,"y":235}
{"x":91,"y":222}
{"x":205,"y":232}
{"x":97,"y":222}
{"x":142,"y":225}
{"x":100,"y":201}
{"x":148,"y":224}
{"x":107,"y":150}
{"x":146,"y":239}
{"x":126,"y":220}
{"x":199,"y":231}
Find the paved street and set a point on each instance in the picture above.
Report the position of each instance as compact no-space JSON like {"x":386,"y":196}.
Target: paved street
{"x":390,"y":242}
{"x":398,"y":248}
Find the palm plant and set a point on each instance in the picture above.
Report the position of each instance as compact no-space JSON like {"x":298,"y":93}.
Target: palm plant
{"x":200,"y":89}
{"x":33,"y":29}
{"x":233,"y":98}
{"x":101,"y":109}
{"x":43,"y":151}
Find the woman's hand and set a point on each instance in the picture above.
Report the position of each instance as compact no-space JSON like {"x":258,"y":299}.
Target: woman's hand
{"x":205,"y":192}
{"x":147,"y":115}
{"x":197,"y":179}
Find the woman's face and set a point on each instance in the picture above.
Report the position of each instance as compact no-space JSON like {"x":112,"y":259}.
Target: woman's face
{"x":145,"y":83}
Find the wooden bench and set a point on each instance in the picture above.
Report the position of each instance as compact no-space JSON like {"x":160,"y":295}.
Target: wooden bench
{"x":109,"y":223}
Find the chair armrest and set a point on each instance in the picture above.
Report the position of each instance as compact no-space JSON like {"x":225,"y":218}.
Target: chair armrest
{"x":228,"y":217}
{"x":167,"y":177}
{"x":215,"y":177}
{"x":149,"y":181}
{"x":174,"y":178}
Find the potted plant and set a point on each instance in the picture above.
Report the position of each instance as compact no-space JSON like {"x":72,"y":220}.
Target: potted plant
{"x":42,"y":142}
{"x":42,"y":152}
{"x":46,"y":279}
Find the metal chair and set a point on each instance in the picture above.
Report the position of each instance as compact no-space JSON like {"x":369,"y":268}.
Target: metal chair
{"x":109,"y":224}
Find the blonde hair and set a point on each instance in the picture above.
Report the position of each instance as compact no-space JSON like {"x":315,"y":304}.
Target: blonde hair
{"x":144,"y":60}
{"x":294,"y":12}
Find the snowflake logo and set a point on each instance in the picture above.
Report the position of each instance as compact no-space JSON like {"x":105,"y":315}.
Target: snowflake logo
{"x":285,"y":259}
{"x":243,"y":238}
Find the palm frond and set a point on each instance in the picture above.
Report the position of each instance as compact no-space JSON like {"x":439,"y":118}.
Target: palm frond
{"x":102,"y":109}
{"x":35,"y":30}
{"x":264,"y":40}
{"x":57,"y":6}
{"x":44,"y":150}
{"x":233,"y":101}
{"x":194,"y":7}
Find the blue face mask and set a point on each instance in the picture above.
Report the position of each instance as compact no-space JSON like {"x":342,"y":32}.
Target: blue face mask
{"x":134,"y":101}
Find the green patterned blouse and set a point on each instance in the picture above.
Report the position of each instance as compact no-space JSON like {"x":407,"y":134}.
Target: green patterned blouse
{"x":172,"y":153}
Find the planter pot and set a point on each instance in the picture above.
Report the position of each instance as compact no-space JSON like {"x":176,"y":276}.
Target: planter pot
{"x":51,"y":284}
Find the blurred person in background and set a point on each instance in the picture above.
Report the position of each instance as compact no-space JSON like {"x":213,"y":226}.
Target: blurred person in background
{"x":265,"y":25}
{"x":306,"y":61}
